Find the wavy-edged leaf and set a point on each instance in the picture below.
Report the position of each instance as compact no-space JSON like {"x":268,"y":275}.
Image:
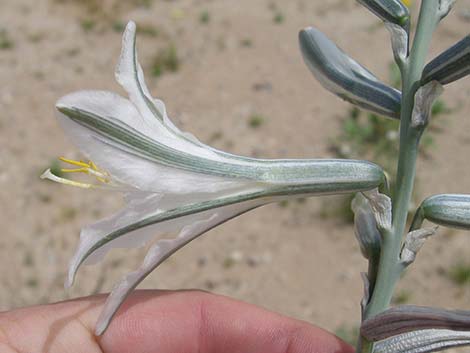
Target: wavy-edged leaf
{"x":344,"y":77}
{"x":407,"y":318}
{"x":451,"y":65}
{"x":450,"y":210}
{"x":393,"y":11}
{"x":423,"y":341}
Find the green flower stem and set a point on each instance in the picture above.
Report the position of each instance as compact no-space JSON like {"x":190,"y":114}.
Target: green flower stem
{"x":390,"y":268}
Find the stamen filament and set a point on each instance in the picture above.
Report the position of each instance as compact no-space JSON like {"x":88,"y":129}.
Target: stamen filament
{"x":49,"y":175}
{"x":89,"y":168}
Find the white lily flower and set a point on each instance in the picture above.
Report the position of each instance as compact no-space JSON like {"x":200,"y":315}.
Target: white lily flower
{"x":172,"y":182}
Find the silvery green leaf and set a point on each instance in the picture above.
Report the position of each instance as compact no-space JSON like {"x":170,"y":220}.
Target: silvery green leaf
{"x":451,"y":65}
{"x":413,"y":242}
{"x":399,"y":38}
{"x":450,"y":210}
{"x":407,"y":318}
{"x":365,"y":228}
{"x":344,"y":77}
{"x":423,"y":341}
{"x":393,"y":11}
{"x":381,"y":205}
{"x":424,"y":99}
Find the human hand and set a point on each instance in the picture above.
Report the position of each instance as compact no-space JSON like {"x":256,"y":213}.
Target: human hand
{"x":163,"y":322}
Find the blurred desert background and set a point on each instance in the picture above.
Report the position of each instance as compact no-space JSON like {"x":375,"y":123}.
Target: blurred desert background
{"x":231,"y":73}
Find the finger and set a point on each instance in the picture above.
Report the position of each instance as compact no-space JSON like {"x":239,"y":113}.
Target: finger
{"x":202,"y":322}
{"x":166,"y":322}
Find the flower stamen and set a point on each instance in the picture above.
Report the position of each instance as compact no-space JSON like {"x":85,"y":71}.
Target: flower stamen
{"x":89,"y":168}
{"x":74,"y":162}
{"x":51,"y":176}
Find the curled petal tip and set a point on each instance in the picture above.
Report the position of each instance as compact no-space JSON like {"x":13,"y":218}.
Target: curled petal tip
{"x":68,"y":283}
{"x":100,"y":328}
{"x":70,"y":276}
{"x":131,"y":26}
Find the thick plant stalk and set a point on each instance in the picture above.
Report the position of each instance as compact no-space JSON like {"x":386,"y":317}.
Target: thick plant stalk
{"x":390,"y":266}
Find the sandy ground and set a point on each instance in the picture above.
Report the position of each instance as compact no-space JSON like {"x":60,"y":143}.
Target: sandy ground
{"x":241,"y":62}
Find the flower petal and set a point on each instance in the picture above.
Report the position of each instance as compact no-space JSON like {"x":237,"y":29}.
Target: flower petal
{"x":160,"y":251}
{"x":145,"y":217}
{"x":406,"y":318}
{"x":423,"y":341}
{"x":128,"y":165}
{"x":134,"y":158}
{"x":449,"y":66}
{"x":344,"y":77}
{"x":153,"y":216}
{"x":137,"y":208}
{"x":450,"y":210}
{"x":130,"y":76}
{"x":393,"y":11}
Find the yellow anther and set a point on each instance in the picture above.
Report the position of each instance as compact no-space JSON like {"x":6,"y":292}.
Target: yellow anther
{"x":77,"y":170}
{"x":103,"y":180}
{"x":73,"y":162}
{"x":93,"y":166}
{"x":89,"y":168}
